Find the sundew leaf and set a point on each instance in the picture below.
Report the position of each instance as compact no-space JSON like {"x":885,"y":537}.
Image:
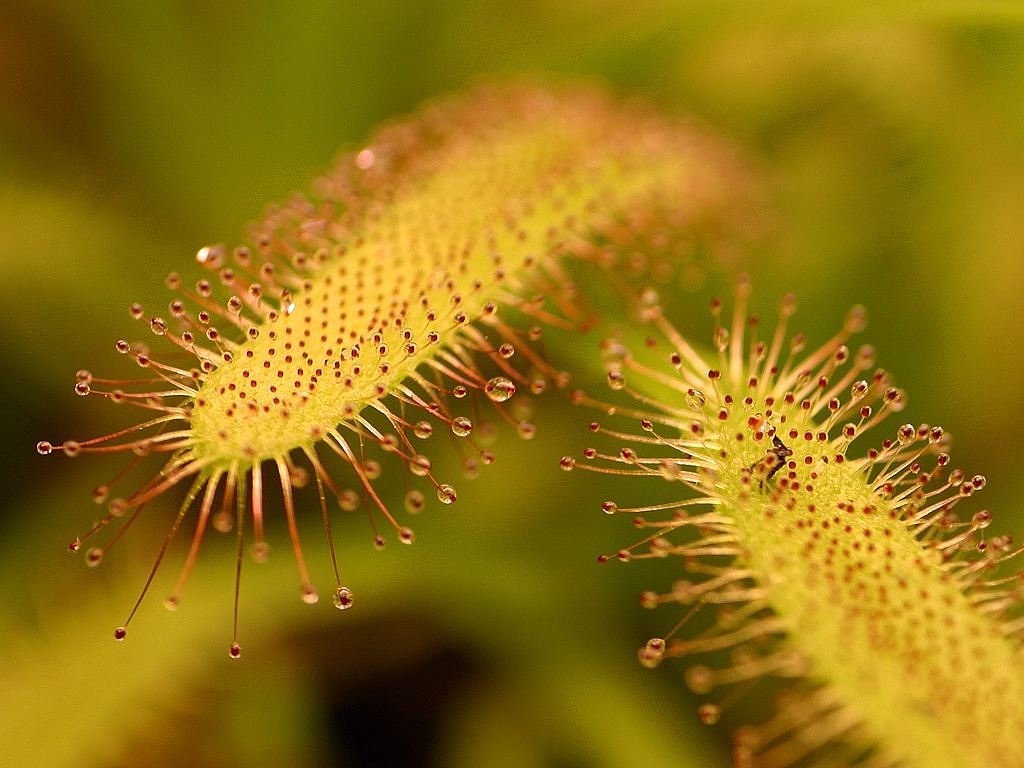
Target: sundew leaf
{"x":841,"y":569}
{"x":412,"y":285}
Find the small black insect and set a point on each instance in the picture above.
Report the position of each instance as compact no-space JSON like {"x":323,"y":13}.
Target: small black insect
{"x":781,"y":452}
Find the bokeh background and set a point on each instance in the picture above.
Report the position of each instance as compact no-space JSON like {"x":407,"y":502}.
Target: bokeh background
{"x":889,"y":146}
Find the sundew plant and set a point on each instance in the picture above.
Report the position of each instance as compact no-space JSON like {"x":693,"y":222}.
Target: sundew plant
{"x":827,"y":554}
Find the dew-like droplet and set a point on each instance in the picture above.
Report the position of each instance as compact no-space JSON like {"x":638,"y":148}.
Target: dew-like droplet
{"x":74,"y":545}
{"x":699,"y":679}
{"x":205,"y":255}
{"x":309,"y":595}
{"x":223,"y":521}
{"x":670,"y":470}
{"x":649,"y":599}
{"x":260,"y":552}
{"x":414,"y":502}
{"x":235,"y":651}
{"x":423,"y":429}
{"x":856,"y":319}
{"x":93,"y":557}
{"x":660,"y":546}
{"x":171,"y":602}
{"x":419,"y":465}
{"x":342,"y":599}
{"x":461,"y":426}
{"x":446,"y":494}
{"x":647,"y":658}
{"x":652,"y":653}
{"x":71,"y":448}
{"x":527,"y":430}
{"x":709,"y":713}
{"x":82,"y":388}
{"x":506,"y":350}
{"x":609,"y":507}
{"x":471,"y":468}
{"x":99,"y":493}
{"x":406,"y":535}
{"x":567,"y":463}
{"x":299,"y":477}
{"x":616,"y":380}
{"x":120,"y":633}
{"x":499,"y":389}
{"x":895,"y":399}
{"x":695,"y":399}
{"x":459,"y":391}
{"x":365,"y":159}
{"x":797,"y":344}
{"x":349,"y":500}
{"x":44,"y":447}
{"x":906,"y":434}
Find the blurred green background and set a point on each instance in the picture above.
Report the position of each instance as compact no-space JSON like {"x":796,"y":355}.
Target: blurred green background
{"x":890,"y":149}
